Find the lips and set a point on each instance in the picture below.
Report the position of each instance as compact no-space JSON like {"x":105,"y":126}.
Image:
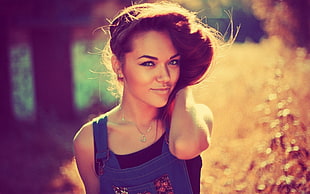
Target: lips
{"x":161,"y":90}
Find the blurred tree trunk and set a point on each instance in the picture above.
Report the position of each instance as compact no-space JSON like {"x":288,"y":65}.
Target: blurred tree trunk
{"x":6,"y":105}
{"x":287,"y":19}
{"x":52,"y":72}
{"x":301,"y":10}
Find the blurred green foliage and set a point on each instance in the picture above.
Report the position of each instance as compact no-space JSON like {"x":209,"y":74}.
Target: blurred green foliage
{"x":215,"y":8}
{"x":226,"y":14}
{"x":22,"y":81}
{"x":90,"y":78}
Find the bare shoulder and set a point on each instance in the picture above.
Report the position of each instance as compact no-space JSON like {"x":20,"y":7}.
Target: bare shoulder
{"x":84,"y":137}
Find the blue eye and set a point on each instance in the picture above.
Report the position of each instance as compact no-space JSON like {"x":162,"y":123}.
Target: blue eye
{"x":174,"y":62}
{"x":147,"y":63}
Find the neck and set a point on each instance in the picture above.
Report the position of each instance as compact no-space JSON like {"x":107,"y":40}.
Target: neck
{"x":138,"y":113}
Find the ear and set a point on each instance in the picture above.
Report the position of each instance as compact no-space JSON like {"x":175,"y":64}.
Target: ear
{"x":117,"y":67}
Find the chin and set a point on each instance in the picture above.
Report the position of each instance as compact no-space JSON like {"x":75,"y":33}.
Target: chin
{"x":161,"y":104}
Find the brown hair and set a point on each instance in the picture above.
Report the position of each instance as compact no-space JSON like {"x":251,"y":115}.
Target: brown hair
{"x":193,"y":40}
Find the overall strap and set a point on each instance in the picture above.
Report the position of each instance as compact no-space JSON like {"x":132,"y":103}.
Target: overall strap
{"x":101,"y":144}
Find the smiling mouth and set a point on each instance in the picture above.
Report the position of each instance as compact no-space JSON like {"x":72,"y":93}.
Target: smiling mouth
{"x":161,"y":90}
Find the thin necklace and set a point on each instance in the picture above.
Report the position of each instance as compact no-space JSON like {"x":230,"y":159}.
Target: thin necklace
{"x":143,"y":135}
{"x":143,"y":138}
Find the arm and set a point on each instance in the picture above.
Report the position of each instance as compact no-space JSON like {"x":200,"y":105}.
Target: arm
{"x":191,"y":126}
{"x":83,"y":144}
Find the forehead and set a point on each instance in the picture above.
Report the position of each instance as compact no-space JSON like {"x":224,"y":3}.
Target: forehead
{"x":153,"y":43}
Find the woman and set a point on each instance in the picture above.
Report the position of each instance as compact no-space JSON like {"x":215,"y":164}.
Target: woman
{"x":151,"y":142}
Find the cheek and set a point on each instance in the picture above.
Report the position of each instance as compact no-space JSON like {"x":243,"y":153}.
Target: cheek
{"x":136,"y":78}
{"x":175,"y":74}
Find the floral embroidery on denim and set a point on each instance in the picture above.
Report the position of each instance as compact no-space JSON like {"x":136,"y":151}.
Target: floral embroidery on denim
{"x":120,"y":190}
{"x":163,"y":185}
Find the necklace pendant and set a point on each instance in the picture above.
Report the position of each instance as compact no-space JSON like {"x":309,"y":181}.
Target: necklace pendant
{"x":143,"y":139}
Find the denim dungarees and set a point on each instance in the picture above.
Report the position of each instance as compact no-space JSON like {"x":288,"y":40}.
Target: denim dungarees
{"x":164,"y":174}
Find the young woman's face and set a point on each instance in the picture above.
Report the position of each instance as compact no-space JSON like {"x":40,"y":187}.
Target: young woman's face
{"x":151,"y":69}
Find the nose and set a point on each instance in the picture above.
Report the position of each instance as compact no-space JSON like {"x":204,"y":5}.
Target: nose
{"x":163,"y":74}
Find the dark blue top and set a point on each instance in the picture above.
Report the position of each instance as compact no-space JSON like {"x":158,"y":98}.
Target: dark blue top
{"x":137,"y":158}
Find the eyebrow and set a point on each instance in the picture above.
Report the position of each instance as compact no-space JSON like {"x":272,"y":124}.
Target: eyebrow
{"x":155,"y":58}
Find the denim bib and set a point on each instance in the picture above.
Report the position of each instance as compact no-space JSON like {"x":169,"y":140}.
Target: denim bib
{"x":164,"y":174}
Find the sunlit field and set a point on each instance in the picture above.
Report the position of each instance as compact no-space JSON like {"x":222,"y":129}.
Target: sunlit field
{"x":260,"y":97}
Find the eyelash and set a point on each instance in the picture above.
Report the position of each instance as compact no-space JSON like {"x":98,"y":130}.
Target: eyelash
{"x":174,"y":62}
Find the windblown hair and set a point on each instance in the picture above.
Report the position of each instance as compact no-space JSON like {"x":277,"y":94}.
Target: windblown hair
{"x":193,"y":40}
